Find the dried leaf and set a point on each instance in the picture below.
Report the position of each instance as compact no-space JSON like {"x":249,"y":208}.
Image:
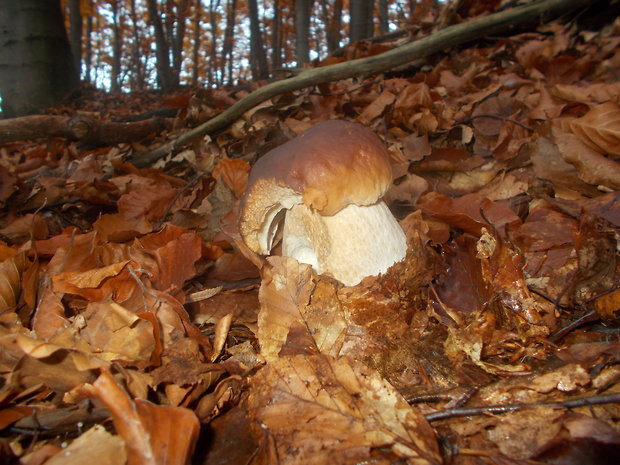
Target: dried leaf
{"x":95,"y":446}
{"x":600,"y":128}
{"x":343,"y":412}
{"x":153,"y":434}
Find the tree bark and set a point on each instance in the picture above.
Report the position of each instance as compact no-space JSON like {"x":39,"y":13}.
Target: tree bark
{"x":138,"y":72}
{"x":176,"y":35}
{"x":36,"y":66}
{"x":383,"y":17}
{"x":498,"y":23}
{"x":214,"y":76}
{"x":117,"y":46}
{"x":333,"y":24}
{"x":196,"y":44}
{"x":360,"y":25}
{"x":258,"y":56}
{"x":229,"y":37}
{"x":276,"y":38}
{"x":162,"y":50}
{"x":80,"y":128}
{"x":75,"y":33}
{"x":302,"y":31}
{"x":88,"y":58}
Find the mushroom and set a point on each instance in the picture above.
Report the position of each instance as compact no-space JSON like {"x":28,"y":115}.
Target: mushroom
{"x":326,"y":185}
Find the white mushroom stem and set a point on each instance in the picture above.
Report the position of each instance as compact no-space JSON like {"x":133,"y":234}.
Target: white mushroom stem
{"x":356,"y":242}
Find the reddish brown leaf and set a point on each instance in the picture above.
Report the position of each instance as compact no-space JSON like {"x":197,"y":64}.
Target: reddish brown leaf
{"x":153,"y":434}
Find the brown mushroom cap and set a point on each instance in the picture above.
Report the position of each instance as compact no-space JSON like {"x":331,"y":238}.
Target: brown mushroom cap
{"x":331,"y":165}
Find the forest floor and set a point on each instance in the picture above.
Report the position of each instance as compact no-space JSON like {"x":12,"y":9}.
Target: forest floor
{"x":133,"y":329}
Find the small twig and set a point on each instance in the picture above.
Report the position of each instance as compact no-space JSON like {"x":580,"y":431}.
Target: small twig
{"x":571,"y":403}
{"x":348,"y":91}
{"x":499,"y":117}
{"x":191,"y":183}
{"x":587,"y":318}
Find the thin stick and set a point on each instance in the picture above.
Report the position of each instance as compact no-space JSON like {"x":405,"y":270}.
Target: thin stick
{"x":571,"y":403}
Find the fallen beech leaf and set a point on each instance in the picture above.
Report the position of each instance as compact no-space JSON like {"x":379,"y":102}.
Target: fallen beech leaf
{"x":113,"y":280}
{"x":116,"y":228}
{"x":598,"y":92}
{"x":600,"y":128}
{"x":56,"y":367}
{"x":11,"y":268}
{"x":343,"y":413}
{"x":176,"y":251}
{"x":592,"y":166}
{"x":234,"y":172}
{"x":95,"y":446}
{"x":115,"y":332}
{"x":153,"y":434}
{"x":608,"y":305}
{"x":501,"y":269}
{"x":464,"y":212}
{"x":150,"y":202}
{"x":376,"y":107}
{"x":285,"y":288}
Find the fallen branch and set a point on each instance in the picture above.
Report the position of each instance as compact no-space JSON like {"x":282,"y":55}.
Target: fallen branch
{"x":571,"y":403}
{"x":80,"y":128}
{"x":495,"y":24}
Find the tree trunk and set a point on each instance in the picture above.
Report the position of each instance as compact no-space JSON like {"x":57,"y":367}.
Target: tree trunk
{"x":138,"y":74}
{"x":176,"y":35}
{"x":258,"y":56}
{"x":196,"y":44}
{"x":213,"y":68}
{"x":88,"y":58}
{"x":75,"y":33}
{"x":276,"y":39}
{"x":165,"y":76}
{"x":36,"y":65}
{"x":361,"y":25}
{"x":302,"y":31}
{"x":333,"y":24}
{"x":229,"y":38}
{"x":383,"y":17}
{"x":117,"y":46}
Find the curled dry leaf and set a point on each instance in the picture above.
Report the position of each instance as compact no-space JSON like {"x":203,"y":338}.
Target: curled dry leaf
{"x":343,"y":413}
{"x":592,"y":166}
{"x":600,"y":128}
{"x":153,"y":434}
{"x":234,"y":172}
{"x":11,"y":268}
{"x":95,"y":446}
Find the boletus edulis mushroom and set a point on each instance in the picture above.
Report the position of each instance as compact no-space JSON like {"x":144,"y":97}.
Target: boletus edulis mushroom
{"x":325,"y":186}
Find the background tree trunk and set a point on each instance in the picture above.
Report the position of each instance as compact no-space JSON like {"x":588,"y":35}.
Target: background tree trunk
{"x":176,"y":34}
{"x":36,"y":66}
{"x":302,"y":31}
{"x":333,"y":24}
{"x":196,"y":43}
{"x":165,"y":76}
{"x":276,"y":39}
{"x":258,"y":56}
{"x":213,"y":21}
{"x":231,"y":6}
{"x":137,"y":78}
{"x":383,"y":17}
{"x":88,"y":56}
{"x":75,"y":33}
{"x":361,"y":25}
{"x":117,"y":45}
